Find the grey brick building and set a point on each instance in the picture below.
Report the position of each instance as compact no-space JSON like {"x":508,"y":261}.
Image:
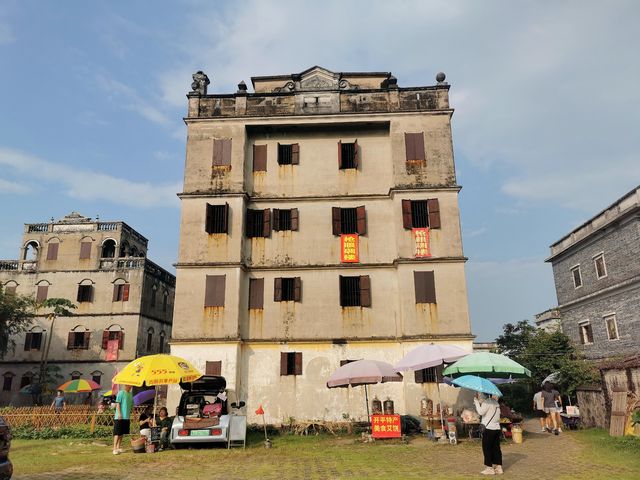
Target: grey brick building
{"x":597,"y":276}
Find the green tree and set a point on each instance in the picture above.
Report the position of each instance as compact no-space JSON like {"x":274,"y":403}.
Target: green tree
{"x":57,"y":307}
{"x":515,"y":338}
{"x":16,"y":315}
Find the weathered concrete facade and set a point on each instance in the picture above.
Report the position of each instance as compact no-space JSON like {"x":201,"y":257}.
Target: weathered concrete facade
{"x":314,"y":111}
{"x":94,"y":263}
{"x":597,"y":275}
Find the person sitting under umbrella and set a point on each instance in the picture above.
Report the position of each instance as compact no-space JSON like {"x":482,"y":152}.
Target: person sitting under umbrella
{"x":146,"y":421}
{"x":164,"y":422}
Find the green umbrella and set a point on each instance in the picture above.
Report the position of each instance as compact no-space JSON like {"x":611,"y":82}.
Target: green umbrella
{"x":486,"y":364}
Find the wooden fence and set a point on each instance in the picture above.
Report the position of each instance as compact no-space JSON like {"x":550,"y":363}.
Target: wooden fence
{"x":71,"y":415}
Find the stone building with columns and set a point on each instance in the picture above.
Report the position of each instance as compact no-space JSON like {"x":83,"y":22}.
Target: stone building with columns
{"x":124,"y":302}
{"x":319,"y":225}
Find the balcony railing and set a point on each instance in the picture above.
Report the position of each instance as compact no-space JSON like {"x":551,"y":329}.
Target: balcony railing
{"x":9,"y":264}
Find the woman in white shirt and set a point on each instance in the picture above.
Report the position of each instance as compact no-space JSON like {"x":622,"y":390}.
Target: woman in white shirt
{"x":489,"y":410}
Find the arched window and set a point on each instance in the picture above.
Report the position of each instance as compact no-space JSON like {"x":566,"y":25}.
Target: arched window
{"x":31,"y":250}
{"x":124,"y":248}
{"x":86,"y":244}
{"x":133,"y":252}
{"x":108,"y":249}
{"x":78,"y":338}
{"x":112,"y":333}
{"x":149,"y":339}
{"x":154,"y":291}
{"x":75,"y":375}
{"x":27,"y":379}
{"x":53,"y":246}
{"x":42,"y":290}
{"x":96,"y":376}
{"x":85,"y":291}
{"x":165,"y":300}
{"x":10,"y":287}
{"x":162,"y":339}
{"x":120,"y":290}
{"x":33,"y":339}
{"x":7,"y":381}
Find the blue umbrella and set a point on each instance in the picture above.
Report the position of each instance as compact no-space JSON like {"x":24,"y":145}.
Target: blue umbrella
{"x":477,"y":384}
{"x":496,"y":381}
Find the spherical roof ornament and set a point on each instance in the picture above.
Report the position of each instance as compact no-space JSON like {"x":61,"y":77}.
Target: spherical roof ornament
{"x":440,"y":77}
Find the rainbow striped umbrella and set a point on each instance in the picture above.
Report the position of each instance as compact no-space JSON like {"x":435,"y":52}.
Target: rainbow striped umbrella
{"x":79,"y":385}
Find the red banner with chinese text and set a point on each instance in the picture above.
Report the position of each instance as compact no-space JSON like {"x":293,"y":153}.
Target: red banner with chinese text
{"x":421,"y":236}
{"x":112,"y":350}
{"x":385,"y":426}
{"x":349,"y":248}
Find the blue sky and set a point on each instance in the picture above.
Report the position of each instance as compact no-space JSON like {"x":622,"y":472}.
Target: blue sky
{"x":92,"y":96}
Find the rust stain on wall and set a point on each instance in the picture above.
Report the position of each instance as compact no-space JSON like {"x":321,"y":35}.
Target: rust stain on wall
{"x":213,"y":320}
{"x":257,"y":250}
{"x":256,"y":323}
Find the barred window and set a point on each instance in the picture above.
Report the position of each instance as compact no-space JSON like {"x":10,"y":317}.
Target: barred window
{"x":355,"y":291}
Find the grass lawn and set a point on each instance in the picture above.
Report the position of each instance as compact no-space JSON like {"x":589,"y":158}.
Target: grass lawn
{"x":575,"y":455}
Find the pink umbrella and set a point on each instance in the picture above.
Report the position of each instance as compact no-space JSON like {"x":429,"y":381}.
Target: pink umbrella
{"x":363,"y":372}
{"x":428,"y":356}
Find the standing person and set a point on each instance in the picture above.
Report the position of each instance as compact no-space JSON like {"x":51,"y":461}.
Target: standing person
{"x":489,"y":409}
{"x":551,"y":396}
{"x":58,"y":402}
{"x":538,"y":410}
{"x":122,"y":419}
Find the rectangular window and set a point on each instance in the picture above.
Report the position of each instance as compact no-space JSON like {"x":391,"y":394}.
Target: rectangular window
{"x":258,"y":223}
{"x":215,"y":290}
{"x":85,"y":293}
{"x":26,"y":380}
{"x":612,"y":326}
{"x":355,"y":291}
{"x":221,"y":152}
{"x":349,"y":220}
{"x":428,"y":375}
{"x":577,"y":276}
{"x":259,"y":158}
{"x":52,"y":251}
{"x":421,"y":213}
{"x":285,"y":219}
{"x":42,"y":293}
{"x":288,"y":154}
{"x":414,"y":146}
{"x":425,"y":287}
{"x":149,"y":341}
{"x":33,"y":341}
{"x":97,"y":378}
{"x":347,"y":155}
{"x":213,"y":368}
{"x":6,"y":384}
{"x":121,"y":292}
{"x":601,"y":268}
{"x":287,"y":289}
{"x":256,"y":293}
{"x":217,"y":218}
{"x":85,"y":250}
{"x":165,"y":300}
{"x":291,"y":363}
{"x":586,"y":333}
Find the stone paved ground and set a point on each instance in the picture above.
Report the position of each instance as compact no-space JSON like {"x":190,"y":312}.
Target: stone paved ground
{"x":541,"y":456}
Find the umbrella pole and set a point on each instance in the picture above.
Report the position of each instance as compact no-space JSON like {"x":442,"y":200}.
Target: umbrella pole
{"x":155,"y":399}
{"x":440,"y":403}
{"x":366,"y":399}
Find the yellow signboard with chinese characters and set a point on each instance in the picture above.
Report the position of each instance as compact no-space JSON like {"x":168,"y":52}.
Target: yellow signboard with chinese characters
{"x":421,"y":236}
{"x":349,"y":248}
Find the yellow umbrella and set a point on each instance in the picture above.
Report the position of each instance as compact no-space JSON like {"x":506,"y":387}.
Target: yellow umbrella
{"x":160,"y":369}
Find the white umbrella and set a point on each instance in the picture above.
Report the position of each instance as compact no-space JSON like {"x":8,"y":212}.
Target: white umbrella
{"x":428,"y":356}
{"x":553,"y":378}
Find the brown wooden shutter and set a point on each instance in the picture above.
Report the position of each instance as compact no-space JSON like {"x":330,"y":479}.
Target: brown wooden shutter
{"x":85,"y":340}
{"x":120,"y":340}
{"x":277,"y":289}
{"x":27,"y":341}
{"x":213,"y":368}
{"x":295,"y":154}
{"x":125,"y":292}
{"x":10,"y":290}
{"x":266,"y":222}
{"x":256,"y":293}
{"x":208,"y":222}
{"x":226,"y":151}
{"x":52,"y":251}
{"x":259,"y":158}
{"x":365,"y":291}
{"x":276,"y":219}
{"x":283,"y":363}
{"x":297,"y":289}
{"x":407,"y":221}
{"x":85,"y":250}
{"x":70,"y":338}
{"x":105,"y":339}
{"x":215,"y":290}
{"x":217,"y":152}
{"x":409,"y":146}
{"x":298,"y":363}
{"x":115,"y":293}
{"x":42,"y":292}
{"x":225,"y":218}
{"x":294,"y":219}
{"x":418,"y":145}
{"x":335,"y":217}
{"x":248,"y":219}
{"x":222,"y":152}
{"x":425,"y":287}
{"x":356,"y":154}
{"x":361,"y":217}
{"x":340,"y":154}
{"x":433,"y":207}
{"x":419,"y":376}
{"x":79,"y":297}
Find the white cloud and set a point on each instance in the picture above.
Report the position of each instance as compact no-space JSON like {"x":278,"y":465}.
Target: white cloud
{"x":8,"y":187}
{"x":91,"y":185}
